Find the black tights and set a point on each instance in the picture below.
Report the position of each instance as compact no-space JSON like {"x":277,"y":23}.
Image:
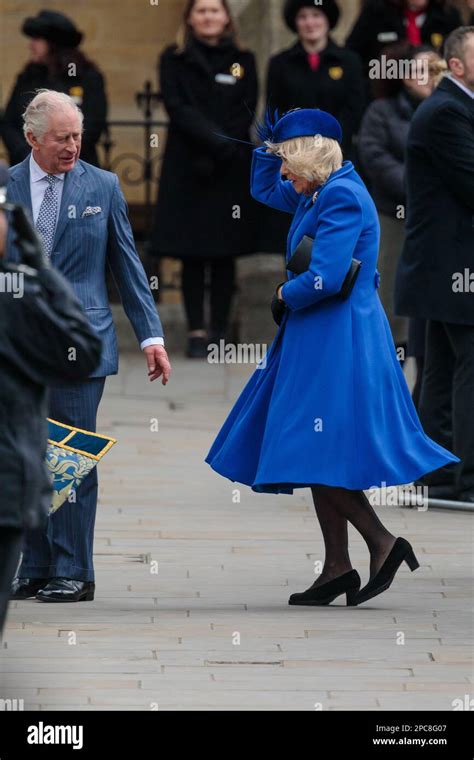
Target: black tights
{"x":335,"y":508}
{"x":221,"y":286}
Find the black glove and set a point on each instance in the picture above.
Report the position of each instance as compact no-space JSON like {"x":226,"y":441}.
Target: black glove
{"x":278,"y":307}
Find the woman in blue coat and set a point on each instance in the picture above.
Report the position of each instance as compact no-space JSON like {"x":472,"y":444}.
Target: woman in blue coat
{"x":329,"y":409}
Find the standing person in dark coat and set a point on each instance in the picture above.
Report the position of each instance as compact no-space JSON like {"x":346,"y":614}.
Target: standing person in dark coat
{"x":315,"y":72}
{"x":381,"y":147}
{"x":56,"y":63}
{"x":205,"y":215}
{"x":39,"y":325}
{"x":433,"y":274}
{"x":383,"y":22}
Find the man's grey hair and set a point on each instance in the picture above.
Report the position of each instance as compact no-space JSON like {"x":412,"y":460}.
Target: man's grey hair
{"x":454,"y":46}
{"x":45,"y":103}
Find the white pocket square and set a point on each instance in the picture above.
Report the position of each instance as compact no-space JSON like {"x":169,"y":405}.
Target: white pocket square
{"x":90,"y":211}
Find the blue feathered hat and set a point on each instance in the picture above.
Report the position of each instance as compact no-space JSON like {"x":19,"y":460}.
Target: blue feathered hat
{"x":301,"y":122}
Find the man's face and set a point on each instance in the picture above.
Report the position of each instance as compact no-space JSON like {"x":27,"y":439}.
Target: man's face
{"x":464,"y":70}
{"x":59,"y":148}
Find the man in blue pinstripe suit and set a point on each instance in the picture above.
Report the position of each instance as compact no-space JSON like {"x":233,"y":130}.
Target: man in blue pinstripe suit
{"x":81,"y":215}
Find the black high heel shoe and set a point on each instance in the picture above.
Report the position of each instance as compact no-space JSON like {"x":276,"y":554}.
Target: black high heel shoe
{"x":401,"y":552}
{"x":347,"y":584}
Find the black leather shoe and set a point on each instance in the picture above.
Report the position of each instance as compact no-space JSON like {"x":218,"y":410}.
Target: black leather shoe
{"x":348,"y":584}
{"x":25,"y":588}
{"x":197,"y":348}
{"x":67,"y":590}
{"x":401,"y":552}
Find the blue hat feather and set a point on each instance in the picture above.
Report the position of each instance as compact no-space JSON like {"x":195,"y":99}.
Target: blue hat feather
{"x":265,"y":128}
{"x":300,"y":122}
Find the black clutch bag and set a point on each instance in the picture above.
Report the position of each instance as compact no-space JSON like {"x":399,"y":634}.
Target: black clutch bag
{"x":301,"y":259}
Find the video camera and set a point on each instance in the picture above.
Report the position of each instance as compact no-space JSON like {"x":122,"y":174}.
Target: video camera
{"x":27,"y":239}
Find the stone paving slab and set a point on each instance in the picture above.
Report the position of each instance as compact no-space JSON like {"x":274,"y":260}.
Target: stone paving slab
{"x":209,"y":627}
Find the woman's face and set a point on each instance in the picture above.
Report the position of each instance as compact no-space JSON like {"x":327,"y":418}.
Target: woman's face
{"x":208,"y":19}
{"x":311,"y":24}
{"x":300,"y":184}
{"x":39,"y":49}
{"x":422,"y":84}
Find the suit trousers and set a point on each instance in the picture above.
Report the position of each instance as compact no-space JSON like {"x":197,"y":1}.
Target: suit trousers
{"x":447,"y":400}
{"x":64,"y":548}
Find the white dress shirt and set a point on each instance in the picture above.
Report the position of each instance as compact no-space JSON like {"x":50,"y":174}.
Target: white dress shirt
{"x":38,"y":185}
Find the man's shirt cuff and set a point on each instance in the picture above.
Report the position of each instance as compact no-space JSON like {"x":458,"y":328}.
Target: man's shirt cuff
{"x":152,"y":342}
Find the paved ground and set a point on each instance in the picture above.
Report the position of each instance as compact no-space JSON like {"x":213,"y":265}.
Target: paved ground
{"x":191,"y":606}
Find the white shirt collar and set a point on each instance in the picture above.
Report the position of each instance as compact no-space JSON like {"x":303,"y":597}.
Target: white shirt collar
{"x":37,"y":173}
{"x":461,"y":85}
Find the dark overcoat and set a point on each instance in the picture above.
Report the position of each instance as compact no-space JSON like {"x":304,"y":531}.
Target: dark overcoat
{"x":439,"y":244}
{"x":337,"y":86}
{"x":381,"y":23}
{"x":204,"y":207}
{"x":381,"y":147}
{"x":40,"y":321}
{"x":88,"y":91}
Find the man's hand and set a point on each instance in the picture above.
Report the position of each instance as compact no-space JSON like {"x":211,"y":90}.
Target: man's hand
{"x":158,"y":363}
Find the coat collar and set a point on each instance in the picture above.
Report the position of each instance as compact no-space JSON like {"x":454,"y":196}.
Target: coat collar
{"x":346,"y":169}
{"x":19,"y":192}
{"x":330,"y":51}
{"x":194,"y":52}
{"x":447,"y":85}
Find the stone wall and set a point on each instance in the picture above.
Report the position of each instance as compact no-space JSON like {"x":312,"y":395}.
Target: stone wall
{"x":125,"y":38}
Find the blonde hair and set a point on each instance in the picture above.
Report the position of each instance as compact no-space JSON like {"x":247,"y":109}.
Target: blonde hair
{"x":315,"y":157}
{"x":437,"y":69}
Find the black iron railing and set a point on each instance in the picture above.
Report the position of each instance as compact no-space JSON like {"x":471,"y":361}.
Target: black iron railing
{"x":135,"y":169}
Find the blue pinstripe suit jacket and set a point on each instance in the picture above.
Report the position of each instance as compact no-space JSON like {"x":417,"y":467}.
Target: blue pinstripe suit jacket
{"x":84,"y":246}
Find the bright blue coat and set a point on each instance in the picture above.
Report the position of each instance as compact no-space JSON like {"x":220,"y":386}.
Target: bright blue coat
{"x":330,"y":405}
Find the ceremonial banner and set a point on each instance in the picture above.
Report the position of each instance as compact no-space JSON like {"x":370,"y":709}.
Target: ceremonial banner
{"x":71,"y":455}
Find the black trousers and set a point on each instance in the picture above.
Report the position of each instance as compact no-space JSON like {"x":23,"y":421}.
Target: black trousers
{"x":11,"y":541}
{"x":446,"y":406}
{"x":221,"y":272}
